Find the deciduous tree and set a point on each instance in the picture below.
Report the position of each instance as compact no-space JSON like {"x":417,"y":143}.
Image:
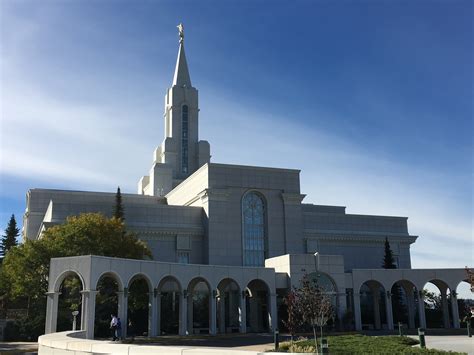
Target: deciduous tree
{"x":25,"y":269}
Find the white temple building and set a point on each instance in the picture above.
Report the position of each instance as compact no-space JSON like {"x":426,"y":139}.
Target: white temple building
{"x":241,"y":235}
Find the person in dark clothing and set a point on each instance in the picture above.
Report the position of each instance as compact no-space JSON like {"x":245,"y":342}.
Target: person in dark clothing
{"x":131,"y":330}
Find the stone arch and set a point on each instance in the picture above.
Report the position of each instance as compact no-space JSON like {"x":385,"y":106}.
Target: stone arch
{"x":140,"y":275}
{"x":113,"y":275}
{"x":439,"y":304}
{"x":465,"y":301}
{"x":373,"y":305}
{"x":168,"y":278}
{"x":169,"y":304}
{"x":139,"y":293}
{"x":258,"y":306}
{"x":109,"y":298}
{"x":330,"y":289}
{"x":326,"y":282}
{"x":67,"y":298}
{"x":200,"y":303}
{"x":404,"y":298}
{"x":66,"y":273}
{"x":228,"y":306}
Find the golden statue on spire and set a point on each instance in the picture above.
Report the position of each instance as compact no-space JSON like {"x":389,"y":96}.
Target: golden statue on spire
{"x":181,"y":32}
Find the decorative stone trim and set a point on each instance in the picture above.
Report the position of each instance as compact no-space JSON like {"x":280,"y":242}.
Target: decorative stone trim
{"x":292,"y":198}
{"x":364,"y":238}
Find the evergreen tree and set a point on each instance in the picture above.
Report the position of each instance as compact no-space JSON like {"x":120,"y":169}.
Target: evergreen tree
{"x":118,"y":208}
{"x":9,"y":239}
{"x":398,"y":306}
{"x":388,"y":260}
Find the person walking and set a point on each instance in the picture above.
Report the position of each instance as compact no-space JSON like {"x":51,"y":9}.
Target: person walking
{"x":118,"y":331}
{"x":113,"y":326}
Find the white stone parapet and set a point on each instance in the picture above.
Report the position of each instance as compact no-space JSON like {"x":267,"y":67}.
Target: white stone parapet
{"x":74,"y":342}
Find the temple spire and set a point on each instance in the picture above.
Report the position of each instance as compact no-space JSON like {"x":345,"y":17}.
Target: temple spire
{"x":181,"y":73}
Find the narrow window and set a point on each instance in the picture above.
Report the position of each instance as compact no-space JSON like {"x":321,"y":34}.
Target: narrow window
{"x":253,"y":226}
{"x":183,"y":257}
{"x":184,"y":140}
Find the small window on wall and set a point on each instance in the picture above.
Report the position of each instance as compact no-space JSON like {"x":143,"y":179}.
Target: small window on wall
{"x":183,"y":257}
{"x":184,"y":140}
{"x":396,"y":261}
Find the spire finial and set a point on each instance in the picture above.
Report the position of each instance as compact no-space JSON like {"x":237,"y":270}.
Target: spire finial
{"x":181,"y":32}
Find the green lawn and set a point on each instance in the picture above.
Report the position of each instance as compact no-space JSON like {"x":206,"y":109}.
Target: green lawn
{"x":362,"y":345}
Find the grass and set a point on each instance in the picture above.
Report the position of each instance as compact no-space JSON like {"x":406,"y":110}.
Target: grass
{"x":362,"y":345}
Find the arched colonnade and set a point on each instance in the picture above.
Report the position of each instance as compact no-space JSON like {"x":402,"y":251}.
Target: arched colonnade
{"x":194,"y":298}
{"x":396,"y":295}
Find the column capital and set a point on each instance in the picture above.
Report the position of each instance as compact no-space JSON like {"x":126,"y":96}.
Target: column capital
{"x":52,"y":293}
{"x":91,"y":292}
{"x":123,"y":293}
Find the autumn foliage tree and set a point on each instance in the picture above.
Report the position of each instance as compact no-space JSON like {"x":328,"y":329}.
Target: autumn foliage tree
{"x":294,"y":318}
{"x":307,"y":305}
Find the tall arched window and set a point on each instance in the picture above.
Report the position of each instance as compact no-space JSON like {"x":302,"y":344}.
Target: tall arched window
{"x":253,"y":229}
{"x":184,"y":140}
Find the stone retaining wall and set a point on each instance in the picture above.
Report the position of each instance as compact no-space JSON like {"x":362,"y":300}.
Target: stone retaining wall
{"x":74,"y":343}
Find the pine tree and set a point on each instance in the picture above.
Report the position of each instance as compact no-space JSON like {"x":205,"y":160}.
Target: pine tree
{"x":398,"y":306}
{"x":9,"y":239}
{"x":118,"y":208}
{"x":388,"y":260}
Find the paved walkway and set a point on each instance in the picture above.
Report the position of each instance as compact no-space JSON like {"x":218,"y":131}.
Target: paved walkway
{"x":255,"y":342}
{"x":12,"y":348}
{"x":461,"y":343}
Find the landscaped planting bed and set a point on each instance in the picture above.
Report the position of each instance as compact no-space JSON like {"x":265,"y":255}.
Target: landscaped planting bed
{"x":362,"y":345}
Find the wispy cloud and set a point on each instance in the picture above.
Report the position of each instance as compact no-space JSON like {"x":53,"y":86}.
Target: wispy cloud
{"x":47,"y":137}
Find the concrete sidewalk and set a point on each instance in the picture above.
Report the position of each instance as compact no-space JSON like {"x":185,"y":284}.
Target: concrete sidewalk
{"x":19,"y":347}
{"x":460,"y":343}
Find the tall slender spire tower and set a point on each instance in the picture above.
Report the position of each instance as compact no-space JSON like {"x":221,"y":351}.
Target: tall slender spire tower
{"x":181,"y":153}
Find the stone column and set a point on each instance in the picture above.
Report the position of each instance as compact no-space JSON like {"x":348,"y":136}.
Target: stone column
{"x":213,"y":312}
{"x":52,"y":302}
{"x":357,"y":315}
{"x":455,"y":309}
{"x":243,"y":313}
{"x":88,"y":300}
{"x":156,"y":314}
{"x":421,"y":309}
{"x":444,"y":303}
{"x":83,"y":310}
{"x":341,"y":309}
{"x":122,"y":312}
{"x":376,"y":301}
{"x":183,"y":313}
{"x":273,"y":315}
{"x":411,"y":308}
{"x":151,"y":310}
{"x":388,"y":310}
{"x":221,"y":312}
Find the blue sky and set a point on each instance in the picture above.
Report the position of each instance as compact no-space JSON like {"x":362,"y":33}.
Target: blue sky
{"x":371,"y":99}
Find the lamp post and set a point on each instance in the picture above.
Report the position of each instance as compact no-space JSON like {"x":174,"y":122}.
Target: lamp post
{"x":74,"y":315}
